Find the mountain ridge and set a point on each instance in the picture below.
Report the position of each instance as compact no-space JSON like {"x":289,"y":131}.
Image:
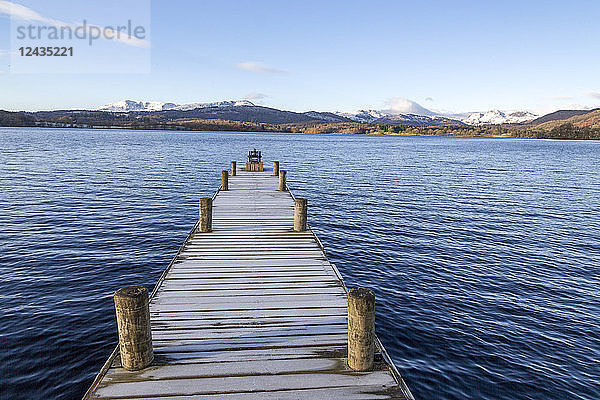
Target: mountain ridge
{"x":409,"y":114}
{"x":247,"y":111}
{"x":586,"y":126}
{"x":244,"y":110}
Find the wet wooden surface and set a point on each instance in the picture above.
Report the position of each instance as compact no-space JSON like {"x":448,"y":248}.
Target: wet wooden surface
{"x":250,"y":311}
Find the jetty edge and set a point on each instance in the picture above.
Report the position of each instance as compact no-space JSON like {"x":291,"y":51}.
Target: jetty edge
{"x":249,"y":308}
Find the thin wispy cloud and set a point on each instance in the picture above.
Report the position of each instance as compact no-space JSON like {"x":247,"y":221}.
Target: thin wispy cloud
{"x":260,"y":68}
{"x":23,"y":13}
{"x":593,"y":95}
{"x":26,"y":14}
{"x":563,"y":98}
{"x":255,"y":96}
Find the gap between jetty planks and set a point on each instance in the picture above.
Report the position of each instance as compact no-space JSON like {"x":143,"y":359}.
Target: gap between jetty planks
{"x":252,"y":310}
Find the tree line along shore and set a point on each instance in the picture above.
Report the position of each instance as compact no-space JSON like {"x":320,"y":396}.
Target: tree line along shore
{"x":556,"y":130}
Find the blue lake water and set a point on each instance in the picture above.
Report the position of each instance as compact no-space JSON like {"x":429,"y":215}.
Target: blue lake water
{"x":484,"y":253}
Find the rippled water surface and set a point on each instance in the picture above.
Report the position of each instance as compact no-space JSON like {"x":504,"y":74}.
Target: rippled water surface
{"x":484,"y":253}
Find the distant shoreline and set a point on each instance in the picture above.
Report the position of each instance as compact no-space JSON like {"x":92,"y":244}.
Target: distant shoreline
{"x":102,"y":120}
{"x":171,"y":129}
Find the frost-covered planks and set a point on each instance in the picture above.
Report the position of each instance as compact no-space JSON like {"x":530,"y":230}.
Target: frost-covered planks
{"x":345,"y":393}
{"x":252,"y":310}
{"x":378,"y":381}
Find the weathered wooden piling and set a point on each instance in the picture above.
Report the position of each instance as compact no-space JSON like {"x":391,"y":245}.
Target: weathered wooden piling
{"x":133,"y":322}
{"x":300,"y":209}
{"x":233,"y":168}
{"x":275,"y":168}
{"x":224,"y":181}
{"x":282,"y":187}
{"x":361,"y":329}
{"x":205,"y":223}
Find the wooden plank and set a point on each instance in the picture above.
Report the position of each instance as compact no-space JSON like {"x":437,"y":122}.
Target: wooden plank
{"x":301,"y":299}
{"x":198,"y":345}
{"x":233,"y":384}
{"x":175,"y":333}
{"x":213,"y":240}
{"x":243,"y":254}
{"x":285,"y":234}
{"x":243,"y":275}
{"x":252,"y":248}
{"x":253,"y":263}
{"x":258,"y":244}
{"x":256,"y":257}
{"x":253,"y":314}
{"x":236,"y":355}
{"x":178,"y":270}
{"x":237,"y":323}
{"x":258,"y":280}
{"x":184,"y":285}
{"x":374,"y":392}
{"x":240,"y":368}
{"x":236,"y":306}
{"x":252,"y":292}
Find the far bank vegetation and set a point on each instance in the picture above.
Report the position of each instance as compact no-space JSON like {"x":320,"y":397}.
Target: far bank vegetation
{"x":575,"y":128}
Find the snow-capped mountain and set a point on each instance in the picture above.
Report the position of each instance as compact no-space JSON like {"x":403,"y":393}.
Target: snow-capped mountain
{"x":224,"y":110}
{"x":227,"y":103}
{"x":363,"y":115}
{"x":390,"y":117}
{"x":493,"y":117}
{"x":432,"y":118}
{"x":414,"y":119}
{"x":131,"y":105}
{"x":326,"y":116}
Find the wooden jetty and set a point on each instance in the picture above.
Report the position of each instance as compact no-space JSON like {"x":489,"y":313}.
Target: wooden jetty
{"x":251,"y":310}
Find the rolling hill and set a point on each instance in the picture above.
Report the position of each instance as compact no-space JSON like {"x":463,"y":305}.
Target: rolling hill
{"x":560,"y":115}
{"x":590,"y":119}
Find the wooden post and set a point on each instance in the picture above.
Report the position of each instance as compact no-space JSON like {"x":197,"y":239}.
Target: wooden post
{"x":282,"y":181}
{"x":300,"y":206}
{"x":361,"y":329}
{"x":233,"y":168}
{"x":133,"y":322}
{"x":275,"y":168}
{"x":205,"y":224}
{"x":225,"y":181}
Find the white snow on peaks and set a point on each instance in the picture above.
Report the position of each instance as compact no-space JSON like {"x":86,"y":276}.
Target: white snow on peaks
{"x":131,"y":105}
{"x":364,"y":115}
{"x":499,"y":117}
{"x":228,"y":103}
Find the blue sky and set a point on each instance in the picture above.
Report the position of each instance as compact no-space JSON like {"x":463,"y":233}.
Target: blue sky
{"x":456,"y":56}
